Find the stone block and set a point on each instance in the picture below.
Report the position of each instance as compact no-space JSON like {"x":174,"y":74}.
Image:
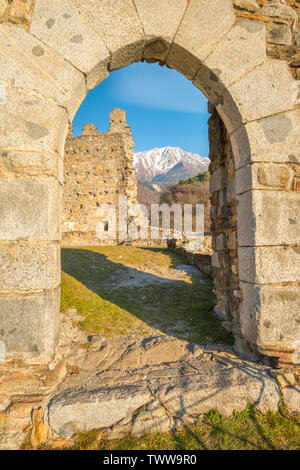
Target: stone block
{"x":184,"y":62}
{"x":264,"y":176}
{"x":274,"y":9}
{"x":3,"y":6}
{"x":160,"y":19}
{"x":241,"y":50}
{"x":280,"y":34}
{"x":21,"y":11}
{"x":94,"y":408}
{"x":268,"y":218}
{"x":14,"y":163}
{"x":272,"y":139}
{"x":29,"y":323}
{"x":220,"y":242}
{"x":203,"y":24}
{"x":273,"y":95}
{"x":30,"y":208}
{"x":217,"y":180}
{"x":272,"y":264}
{"x":232,"y":241}
{"x":29,"y":265}
{"x":215,"y":260}
{"x":118,"y":24}
{"x":30,"y":124}
{"x":291,"y":398}
{"x":297,"y":37}
{"x":48,"y":74}
{"x":269,"y":316}
{"x":248,"y":5}
{"x":59,"y":25}
{"x":231,"y":191}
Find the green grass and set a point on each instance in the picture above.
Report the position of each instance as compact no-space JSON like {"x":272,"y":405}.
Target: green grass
{"x":181,"y":308}
{"x":248,"y":430}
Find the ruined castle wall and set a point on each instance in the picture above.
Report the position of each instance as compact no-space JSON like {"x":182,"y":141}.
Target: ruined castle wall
{"x":233,"y":274}
{"x":98,"y":169}
{"x":225,"y":266}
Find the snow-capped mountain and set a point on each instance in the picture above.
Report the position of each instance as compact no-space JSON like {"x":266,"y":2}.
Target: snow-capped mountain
{"x":168,"y":165}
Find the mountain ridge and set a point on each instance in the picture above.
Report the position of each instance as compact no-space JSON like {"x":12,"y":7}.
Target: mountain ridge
{"x":167,"y":165}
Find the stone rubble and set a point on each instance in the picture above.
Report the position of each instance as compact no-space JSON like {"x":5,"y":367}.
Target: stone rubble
{"x":128,"y":384}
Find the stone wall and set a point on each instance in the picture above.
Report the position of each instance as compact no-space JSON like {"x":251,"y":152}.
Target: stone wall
{"x":244,"y":55}
{"x":98,"y":169}
{"x":274,"y":272}
{"x":225,"y":264}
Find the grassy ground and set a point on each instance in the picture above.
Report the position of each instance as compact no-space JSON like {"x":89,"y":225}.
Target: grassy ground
{"x":249,"y":430}
{"x":122,"y":290}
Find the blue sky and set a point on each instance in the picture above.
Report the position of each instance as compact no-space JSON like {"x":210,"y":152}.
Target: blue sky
{"x":163,"y":108}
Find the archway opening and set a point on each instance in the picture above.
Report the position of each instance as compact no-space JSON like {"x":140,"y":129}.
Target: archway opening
{"x":158,"y":155}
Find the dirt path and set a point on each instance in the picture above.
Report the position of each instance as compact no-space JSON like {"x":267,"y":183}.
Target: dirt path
{"x":134,"y":290}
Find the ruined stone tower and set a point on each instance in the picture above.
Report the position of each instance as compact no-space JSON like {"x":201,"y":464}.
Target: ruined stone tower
{"x":98,"y":169}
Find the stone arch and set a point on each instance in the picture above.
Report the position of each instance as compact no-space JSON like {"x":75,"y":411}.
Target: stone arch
{"x":52,"y":54}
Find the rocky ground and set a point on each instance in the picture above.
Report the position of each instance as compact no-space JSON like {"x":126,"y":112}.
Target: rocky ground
{"x":143,"y":380}
{"x":129,"y":385}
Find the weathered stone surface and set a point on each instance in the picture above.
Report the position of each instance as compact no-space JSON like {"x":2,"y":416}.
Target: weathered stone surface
{"x":270,"y":316}
{"x":272,"y":139}
{"x":277,"y":9}
{"x":30,"y":124}
{"x":291,"y":398}
{"x":280,"y":34}
{"x":29,"y":323}
{"x":203,"y":24}
{"x":21,"y":11}
{"x":17,"y":12}
{"x":161,"y":349}
{"x":248,"y":5}
{"x":118,"y":24}
{"x":160,"y":19}
{"x":147,"y":422}
{"x":18,"y":164}
{"x":264,"y":176}
{"x":49,"y":74}
{"x":273,"y":96}
{"x":30,"y":209}
{"x":286,"y":379}
{"x":217,"y":180}
{"x":217,"y":387}
{"x":268,"y":218}
{"x":242,"y":49}
{"x":41,"y":432}
{"x":266,"y":265}
{"x":92,"y":409}
{"x":29,"y":265}
{"x":11,"y":440}
{"x":215,"y":260}
{"x":3,"y":6}
{"x":60,"y":26}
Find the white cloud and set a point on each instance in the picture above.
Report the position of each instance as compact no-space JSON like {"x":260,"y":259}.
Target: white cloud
{"x":152,"y":86}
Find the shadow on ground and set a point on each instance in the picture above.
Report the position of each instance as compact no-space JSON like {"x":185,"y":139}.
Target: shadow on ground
{"x":150,"y":293}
